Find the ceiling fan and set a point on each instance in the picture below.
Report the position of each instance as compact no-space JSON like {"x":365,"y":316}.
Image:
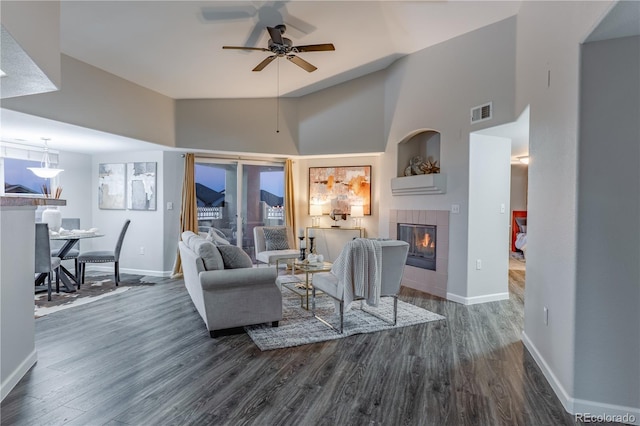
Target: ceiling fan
{"x":283,"y":47}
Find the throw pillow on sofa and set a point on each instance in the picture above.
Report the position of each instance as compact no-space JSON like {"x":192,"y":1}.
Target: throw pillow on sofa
{"x":217,"y":237}
{"x":206,"y":250}
{"x":276,"y":239}
{"x":234,"y":257}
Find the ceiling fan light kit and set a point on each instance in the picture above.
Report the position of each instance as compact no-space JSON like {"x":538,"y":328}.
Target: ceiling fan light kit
{"x":283,"y":47}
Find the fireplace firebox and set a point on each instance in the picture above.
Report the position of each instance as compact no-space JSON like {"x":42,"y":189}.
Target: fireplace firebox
{"x":422,"y":244}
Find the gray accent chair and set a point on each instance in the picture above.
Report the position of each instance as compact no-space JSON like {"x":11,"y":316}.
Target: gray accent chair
{"x":44,"y":263}
{"x":394,"y":257}
{"x":68,"y":223}
{"x":227,"y":298}
{"x":273,"y":257}
{"x":104,"y":256}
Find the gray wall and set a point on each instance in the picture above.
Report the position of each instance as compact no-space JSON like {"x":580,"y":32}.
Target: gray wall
{"x":608,"y":267}
{"x":344,"y":119}
{"x":548,"y":39}
{"x":146,"y":228}
{"x":35,"y":26}
{"x":435,"y":89}
{"x":237,"y":125}
{"x":92,"y":98}
{"x":173,"y":165}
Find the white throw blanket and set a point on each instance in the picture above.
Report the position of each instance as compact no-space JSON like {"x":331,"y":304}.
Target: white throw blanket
{"x":359,"y":269}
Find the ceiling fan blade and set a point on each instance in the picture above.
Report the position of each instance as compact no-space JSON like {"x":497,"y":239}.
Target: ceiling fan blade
{"x":228,"y":13}
{"x":246,"y":48}
{"x":264,"y":63}
{"x":302,"y":63}
{"x":275,"y":35}
{"x":315,"y":47}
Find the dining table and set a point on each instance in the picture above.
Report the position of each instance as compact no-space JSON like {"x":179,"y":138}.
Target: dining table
{"x":70,"y":238}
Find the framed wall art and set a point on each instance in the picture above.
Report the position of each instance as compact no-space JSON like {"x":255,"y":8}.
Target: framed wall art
{"x":141,"y":186}
{"x":336,"y":189}
{"x":111,"y":186}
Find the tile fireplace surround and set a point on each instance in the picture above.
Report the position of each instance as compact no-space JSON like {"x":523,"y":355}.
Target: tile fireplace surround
{"x":433,"y":282}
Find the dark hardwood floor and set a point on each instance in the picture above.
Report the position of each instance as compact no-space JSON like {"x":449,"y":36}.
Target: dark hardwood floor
{"x":144,"y":357}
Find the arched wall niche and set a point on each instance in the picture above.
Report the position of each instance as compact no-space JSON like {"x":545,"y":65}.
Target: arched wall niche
{"x":422,"y":142}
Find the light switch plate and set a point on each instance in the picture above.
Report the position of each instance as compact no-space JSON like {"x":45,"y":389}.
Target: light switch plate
{"x":455,"y":208}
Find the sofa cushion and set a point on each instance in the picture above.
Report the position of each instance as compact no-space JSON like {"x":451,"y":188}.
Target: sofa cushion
{"x":276,"y":239}
{"x":186,"y":237}
{"x":217,"y":237}
{"x":206,"y":250}
{"x":234,"y":257}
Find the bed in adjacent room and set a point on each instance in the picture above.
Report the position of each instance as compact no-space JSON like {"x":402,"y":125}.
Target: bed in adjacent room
{"x":519,"y":231}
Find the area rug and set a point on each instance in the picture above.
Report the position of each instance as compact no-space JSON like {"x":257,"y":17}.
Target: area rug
{"x":95,"y":288}
{"x":298,"y":327}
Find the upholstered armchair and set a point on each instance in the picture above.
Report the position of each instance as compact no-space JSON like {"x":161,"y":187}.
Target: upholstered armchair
{"x":393,"y":256}
{"x":273,"y":244}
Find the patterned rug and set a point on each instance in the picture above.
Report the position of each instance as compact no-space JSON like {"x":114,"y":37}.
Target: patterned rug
{"x":95,"y":288}
{"x":298,"y":327}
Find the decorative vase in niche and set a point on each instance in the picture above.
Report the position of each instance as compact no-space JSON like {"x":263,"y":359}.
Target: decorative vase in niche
{"x":52,"y":217}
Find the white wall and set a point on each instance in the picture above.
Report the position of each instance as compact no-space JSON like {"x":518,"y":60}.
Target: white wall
{"x":146,"y":228}
{"x":489,"y":177}
{"x":435,"y":89}
{"x":548,"y":37}
{"x":76,"y":187}
{"x":608,"y":271}
{"x":370,"y":223}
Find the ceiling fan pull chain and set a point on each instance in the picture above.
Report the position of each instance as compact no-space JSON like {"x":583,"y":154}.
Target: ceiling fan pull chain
{"x":278,"y":96}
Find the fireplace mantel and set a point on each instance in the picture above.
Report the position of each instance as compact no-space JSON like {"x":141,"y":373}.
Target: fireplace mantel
{"x":419,"y":184}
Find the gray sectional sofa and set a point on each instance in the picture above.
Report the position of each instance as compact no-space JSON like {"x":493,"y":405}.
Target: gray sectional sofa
{"x":226,"y":290}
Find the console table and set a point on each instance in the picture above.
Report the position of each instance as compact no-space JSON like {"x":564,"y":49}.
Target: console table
{"x":330,"y":241}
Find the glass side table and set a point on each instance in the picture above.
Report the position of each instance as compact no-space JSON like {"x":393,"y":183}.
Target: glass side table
{"x":302,"y":287}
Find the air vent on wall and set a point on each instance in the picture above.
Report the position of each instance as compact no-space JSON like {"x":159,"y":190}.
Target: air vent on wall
{"x":482,"y":113}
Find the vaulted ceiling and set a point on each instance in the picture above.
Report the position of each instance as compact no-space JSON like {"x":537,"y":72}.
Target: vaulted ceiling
{"x":175,"y":47}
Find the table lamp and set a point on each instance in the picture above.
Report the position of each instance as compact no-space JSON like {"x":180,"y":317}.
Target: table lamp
{"x":357,"y":213}
{"x":315,"y":211}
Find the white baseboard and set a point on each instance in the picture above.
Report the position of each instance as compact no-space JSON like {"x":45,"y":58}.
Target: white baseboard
{"x":608,"y":412}
{"x":13,"y":379}
{"x":477,"y":299}
{"x":109,"y":269}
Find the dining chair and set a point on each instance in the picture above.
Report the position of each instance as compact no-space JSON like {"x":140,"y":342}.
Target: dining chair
{"x":68,"y":223}
{"x":44,"y":262}
{"x":104,"y":256}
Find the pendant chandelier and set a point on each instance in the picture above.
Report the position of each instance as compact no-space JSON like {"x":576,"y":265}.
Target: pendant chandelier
{"x":45,"y":170}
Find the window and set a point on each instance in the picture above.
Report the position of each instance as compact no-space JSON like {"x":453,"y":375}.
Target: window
{"x":19,"y":180}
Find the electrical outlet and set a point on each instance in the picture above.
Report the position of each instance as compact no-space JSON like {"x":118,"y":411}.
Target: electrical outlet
{"x":546,"y":316}
{"x":141,"y":252}
{"x":478,"y":264}
{"x":455,"y":208}
{"x":169,"y":205}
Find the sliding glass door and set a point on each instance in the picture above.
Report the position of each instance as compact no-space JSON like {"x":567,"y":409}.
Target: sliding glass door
{"x":235,"y":196}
